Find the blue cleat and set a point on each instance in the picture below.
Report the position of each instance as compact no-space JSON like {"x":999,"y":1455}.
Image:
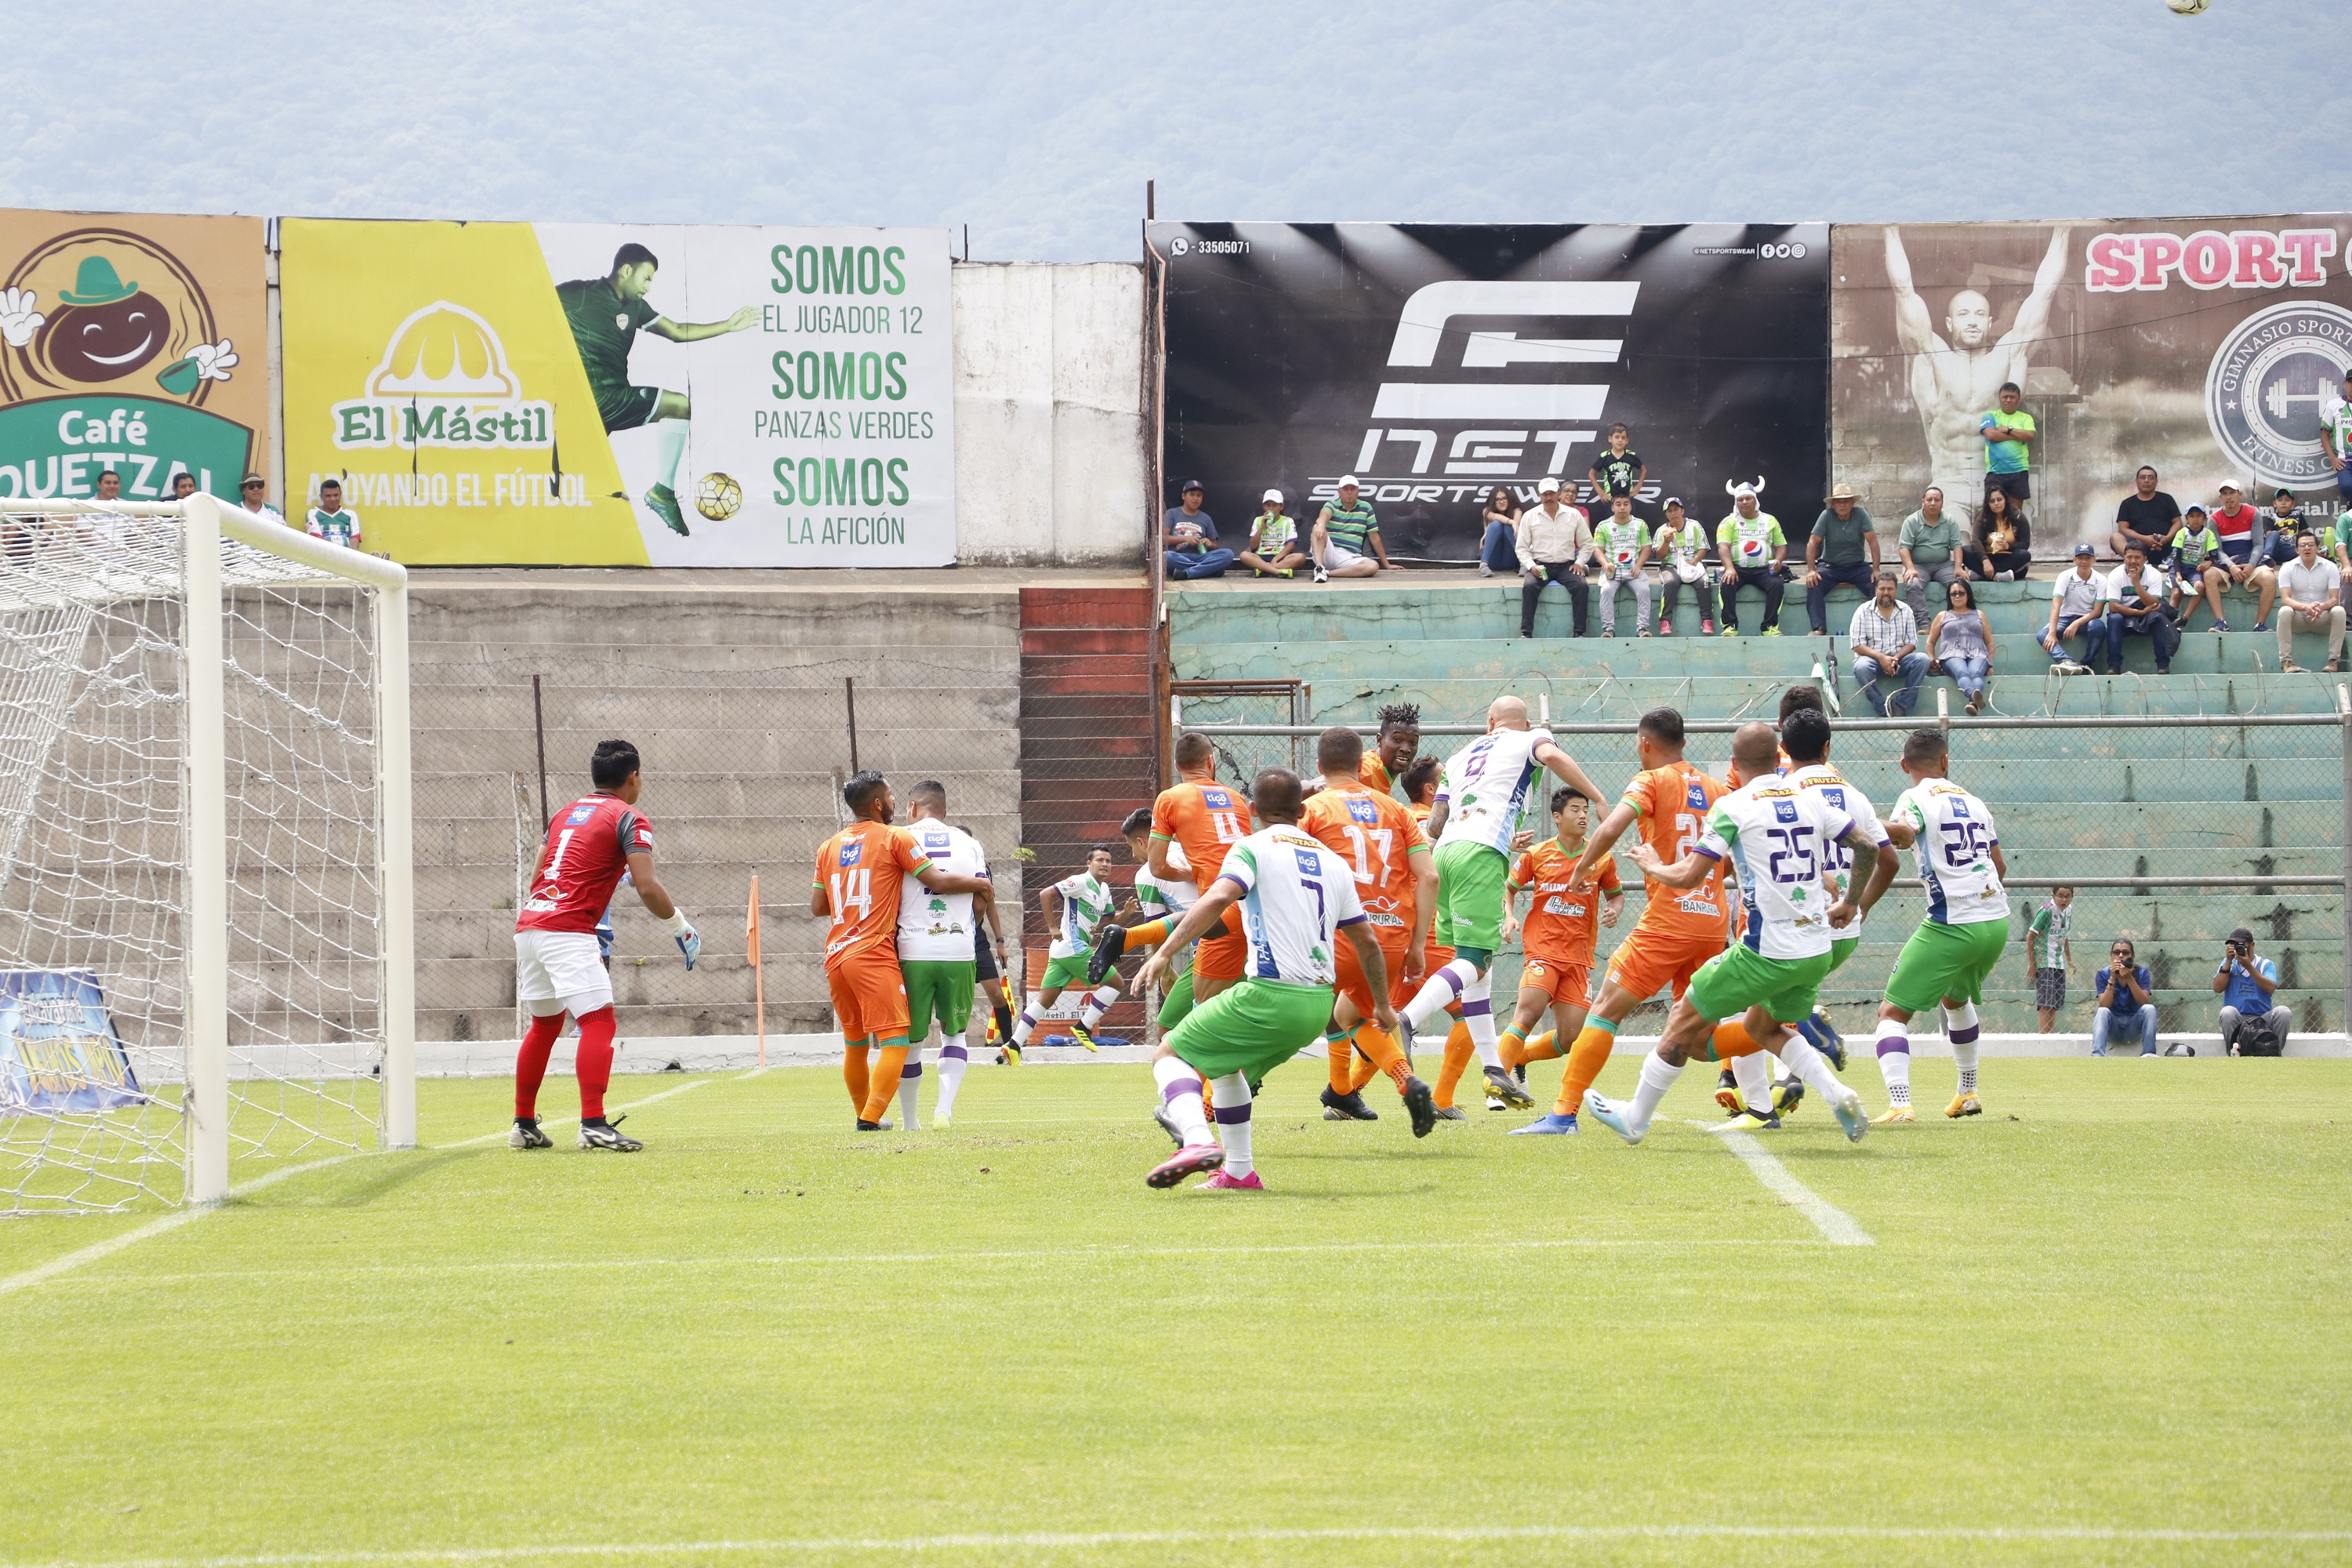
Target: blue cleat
{"x":1554,"y":1122}
{"x":1824,"y":1037}
{"x":1852,"y":1116}
{"x":1609,"y":1116}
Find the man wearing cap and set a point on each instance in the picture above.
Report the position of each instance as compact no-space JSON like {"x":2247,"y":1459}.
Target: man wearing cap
{"x":1929,"y":544}
{"x":1843,"y":548}
{"x":2075,"y":601}
{"x":1681,"y":548}
{"x":1188,"y":535}
{"x":1754,"y":551}
{"x":1554,"y":537}
{"x":2246,"y":551}
{"x":2249,"y":988}
{"x":1347,"y":542}
{"x":255,"y":493}
{"x":1273,"y":542}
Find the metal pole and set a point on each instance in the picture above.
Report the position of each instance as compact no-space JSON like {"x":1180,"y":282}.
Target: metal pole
{"x":849,"y":689}
{"x":539,"y":728}
{"x":205,"y":1023}
{"x":396,"y":868}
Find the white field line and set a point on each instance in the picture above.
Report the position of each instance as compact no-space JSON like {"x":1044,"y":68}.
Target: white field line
{"x":1078,"y":1540}
{"x":1837,"y":1226}
{"x":189,"y":1216}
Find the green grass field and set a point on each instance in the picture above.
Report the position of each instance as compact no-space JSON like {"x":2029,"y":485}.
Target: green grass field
{"x":2105,"y":1323}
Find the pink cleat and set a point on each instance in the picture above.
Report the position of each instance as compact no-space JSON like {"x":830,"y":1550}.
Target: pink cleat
{"x":1226,"y":1182}
{"x":1189,"y":1161}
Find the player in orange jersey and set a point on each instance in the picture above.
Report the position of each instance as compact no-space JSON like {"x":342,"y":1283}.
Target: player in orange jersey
{"x":1562,"y":932}
{"x":1393,"y":747}
{"x":1203,"y":818}
{"x":1679,"y":930}
{"x":1396,"y":882}
{"x":859,"y":875}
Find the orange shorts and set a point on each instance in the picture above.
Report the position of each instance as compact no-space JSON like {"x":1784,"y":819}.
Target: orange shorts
{"x":1221,"y":957}
{"x":1351,"y":983}
{"x":869,"y":1000}
{"x":1433,"y":959}
{"x":1648,"y":962}
{"x":1564,"y":984}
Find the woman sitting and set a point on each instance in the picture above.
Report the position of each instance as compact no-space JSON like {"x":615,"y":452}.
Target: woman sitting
{"x":1498,"y":549}
{"x":2000,"y":553}
{"x":1959,"y":643}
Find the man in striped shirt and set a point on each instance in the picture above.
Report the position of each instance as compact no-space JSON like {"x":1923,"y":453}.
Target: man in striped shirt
{"x":1347,"y":542}
{"x":1884,"y":638}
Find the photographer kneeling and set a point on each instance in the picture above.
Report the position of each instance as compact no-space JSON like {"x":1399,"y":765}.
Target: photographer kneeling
{"x":2251,"y":1025}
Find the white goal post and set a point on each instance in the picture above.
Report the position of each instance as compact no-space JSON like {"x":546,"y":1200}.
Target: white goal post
{"x":205,"y":847}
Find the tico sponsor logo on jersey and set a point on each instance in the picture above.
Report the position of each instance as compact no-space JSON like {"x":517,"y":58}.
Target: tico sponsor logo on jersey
{"x":1216,"y":800}
{"x":581,"y":813}
{"x":444,"y":381}
{"x":1363,"y":811}
{"x":852,"y":853}
{"x":1697,"y":795}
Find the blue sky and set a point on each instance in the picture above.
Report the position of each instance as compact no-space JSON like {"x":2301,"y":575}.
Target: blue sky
{"x":1038,"y":123}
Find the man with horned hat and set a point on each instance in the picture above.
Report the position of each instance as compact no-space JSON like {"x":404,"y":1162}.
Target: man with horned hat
{"x":1753,"y":551}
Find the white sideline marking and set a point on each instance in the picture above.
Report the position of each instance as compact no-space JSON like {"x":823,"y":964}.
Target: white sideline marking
{"x":1837,"y":1226}
{"x":1055,"y":1540}
{"x":178,"y":1217}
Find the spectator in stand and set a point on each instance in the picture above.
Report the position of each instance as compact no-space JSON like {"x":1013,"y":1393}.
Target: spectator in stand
{"x":2244,"y":554}
{"x":1619,"y":470}
{"x":1498,"y":549}
{"x":2126,"y":996}
{"x":2196,"y":554}
{"x":1621,"y":549}
{"x":1959,"y":643}
{"x":183,"y":485}
{"x":2050,"y":954}
{"x":2334,"y":538}
{"x":2335,"y":429}
{"x":1843,"y":548}
{"x":1930,"y":543}
{"x":331,"y":519}
{"x":2009,"y":436}
{"x":2249,"y":987}
{"x":1681,"y":548}
{"x":2077,"y":602}
{"x":2004,"y":541}
{"x":1273,"y":542}
{"x":255,"y":493}
{"x":2148,"y":514}
{"x":1188,"y":536}
{"x":2311,"y":599}
{"x":1884,"y":638}
{"x":1554,"y":538}
{"x":2136,"y":607}
{"x":1755,"y":554}
{"x":1347,"y":537}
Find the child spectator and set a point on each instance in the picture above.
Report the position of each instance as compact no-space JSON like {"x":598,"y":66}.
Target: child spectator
{"x":1274,"y":543}
{"x":1681,"y":548}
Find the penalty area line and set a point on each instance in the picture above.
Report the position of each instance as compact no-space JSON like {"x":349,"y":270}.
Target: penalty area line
{"x":1837,"y":1226}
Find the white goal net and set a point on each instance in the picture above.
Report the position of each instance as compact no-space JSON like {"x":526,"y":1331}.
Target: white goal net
{"x":205,"y":903}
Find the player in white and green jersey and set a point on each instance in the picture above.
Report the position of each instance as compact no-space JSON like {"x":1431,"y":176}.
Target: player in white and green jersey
{"x":936,"y":948}
{"x":331,"y":519}
{"x":1951,"y":834}
{"x":1073,"y":907}
{"x":1298,"y":901}
{"x":1481,"y":795}
{"x":1154,"y":898}
{"x":1778,"y":837}
{"x":2336,"y":440}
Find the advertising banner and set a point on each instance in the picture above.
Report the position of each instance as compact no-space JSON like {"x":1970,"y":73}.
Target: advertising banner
{"x":135,"y":345}
{"x":1435,"y":362}
{"x":580,"y":394}
{"x":60,"y":1054}
{"x":2206,"y":348}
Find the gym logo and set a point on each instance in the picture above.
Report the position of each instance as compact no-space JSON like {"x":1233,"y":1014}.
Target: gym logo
{"x":444,"y":381}
{"x":2269,"y":383}
{"x":108,"y":350}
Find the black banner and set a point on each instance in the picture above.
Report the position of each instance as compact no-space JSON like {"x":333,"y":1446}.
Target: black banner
{"x":1437,"y":361}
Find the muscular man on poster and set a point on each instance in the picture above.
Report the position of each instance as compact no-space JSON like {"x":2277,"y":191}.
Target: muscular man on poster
{"x":1953,"y":382}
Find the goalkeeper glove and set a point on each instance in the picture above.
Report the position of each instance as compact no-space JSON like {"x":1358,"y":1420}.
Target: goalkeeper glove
{"x":689,"y":941}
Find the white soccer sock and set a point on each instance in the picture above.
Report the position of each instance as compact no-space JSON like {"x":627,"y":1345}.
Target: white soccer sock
{"x":1231,"y":1095}
{"x":1440,"y":991}
{"x":1754,"y":1075}
{"x":1180,"y":1091}
{"x":1658,"y":1076}
{"x":1812,"y":1069}
{"x":910,"y":1091}
{"x":1028,"y":1019}
{"x":1479,"y":1014}
{"x":1894,"y":1060}
{"x":1960,"y":1027}
{"x":669,"y":450}
{"x":1096,"y":1005}
{"x":953,"y":1059}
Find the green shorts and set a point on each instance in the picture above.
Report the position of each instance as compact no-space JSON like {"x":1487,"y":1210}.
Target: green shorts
{"x":1739,"y":978}
{"x":1251,"y":1027}
{"x":1942,"y":961}
{"x":1061,"y":973}
{"x":1178,"y":1004}
{"x":1841,"y":948}
{"x":1470,"y":896}
{"x":939,"y":987}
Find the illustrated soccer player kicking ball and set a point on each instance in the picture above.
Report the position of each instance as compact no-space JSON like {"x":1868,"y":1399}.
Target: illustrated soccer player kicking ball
{"x":1951,"y":834}
{"x":1680,"y":929}
{"x":559,"y":968}
{"x":1074,"y":907}
{"x":860,"y":876}
{"x":1563,"y":933}
{"x":1776,"y":833}
{"x":937,"y":943}
{"x":1376,"y":842}
{"x":1480,"y":794}
{"x":1296,"y":901}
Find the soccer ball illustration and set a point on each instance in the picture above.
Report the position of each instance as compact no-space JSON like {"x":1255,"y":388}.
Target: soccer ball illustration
{"x":718,"y":497}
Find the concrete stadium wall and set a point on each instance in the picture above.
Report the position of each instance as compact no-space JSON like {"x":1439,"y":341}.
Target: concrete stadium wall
{"x":1050,"y":426}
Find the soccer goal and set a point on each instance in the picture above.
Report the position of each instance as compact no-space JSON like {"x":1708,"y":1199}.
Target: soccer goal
{"x":207,"y":910}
